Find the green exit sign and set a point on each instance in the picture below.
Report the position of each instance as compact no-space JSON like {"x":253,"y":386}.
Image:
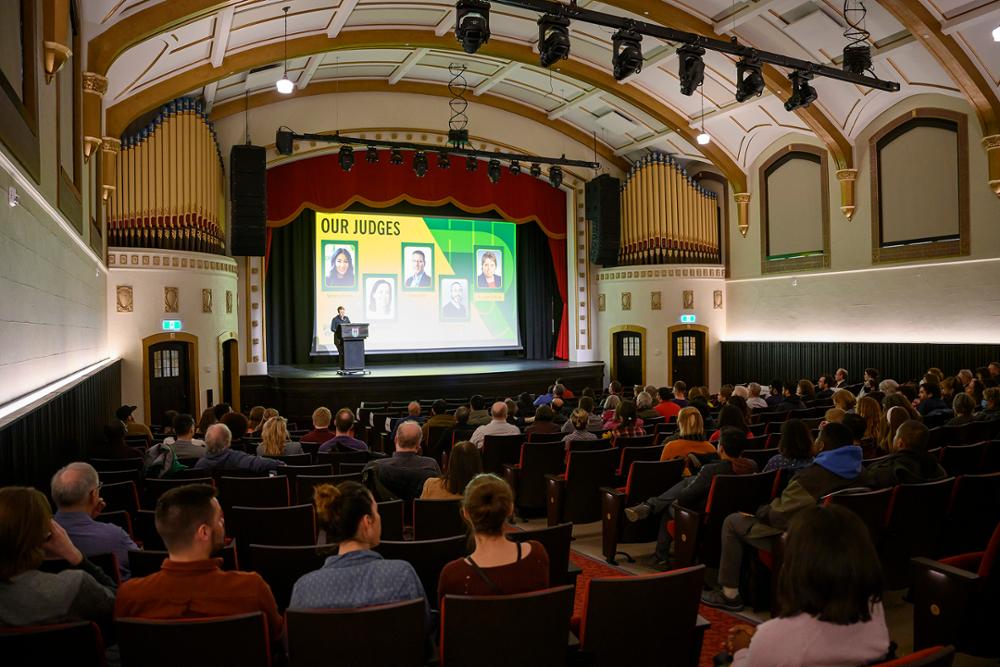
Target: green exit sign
{"x":172,"y":325}
{"x":688,"y":319}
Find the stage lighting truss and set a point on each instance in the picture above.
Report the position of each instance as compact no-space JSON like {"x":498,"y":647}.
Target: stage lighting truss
{"x":749,"y":80}
{"x":493,"y":170}
{"x":553,"y":39}
{"x":420,"y":164}
{"x":472,"y":24}
{"x":626,"y":48}
{"x":691,"y":68}
{"x":802,"y":93}
{"x":346,"y":158}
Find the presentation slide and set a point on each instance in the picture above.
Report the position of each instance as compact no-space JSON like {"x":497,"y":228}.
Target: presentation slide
{"x":422,"y":284}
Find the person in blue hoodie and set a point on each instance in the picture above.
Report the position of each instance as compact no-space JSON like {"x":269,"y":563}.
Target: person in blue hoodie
{"x":837,"y":466}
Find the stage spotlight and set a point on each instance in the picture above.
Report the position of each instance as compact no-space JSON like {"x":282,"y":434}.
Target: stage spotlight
{"x":857,"y":58}
{"x":493,"y":170}
{"x":553,"y":39}
{"x":420,"y":164}
{"x":471,"y":163}
{"x":443,"y":160}
{"x":515,"y":168}
{"x":395,"y":157}
{"x":346,"y":158}
{"x":283,"y":142}
{"x":802,"y":93}
{"x":472,"y":24}
{"x":692,"y":68}
{"x":371,"y":155}
{"x":536,"y":170}
{"x":749,"y":80}
{"x":555,"y":176}
{"x":626,"y":49}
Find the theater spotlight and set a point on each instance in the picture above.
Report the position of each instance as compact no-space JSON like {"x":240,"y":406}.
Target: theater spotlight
{"x":371,"y":155}
{"x":443,"y":160}
{"x":515,"y":168}
{"x":802,"y":93}
{"x":749,"y":80}
{"x":691,"y":71}
{"x":493,"y":170}
{"x":346,"y":158}
{"x":472,"y":24}
{"x":395,"y":157}
{"x":471,"y":163}
{"x":555,"y":176}
{"x":626,"y":47}
{"x":420,"y":164}
{"x":284,"y":142}
{"x":553,"y":39}
{"x":536,"y":170}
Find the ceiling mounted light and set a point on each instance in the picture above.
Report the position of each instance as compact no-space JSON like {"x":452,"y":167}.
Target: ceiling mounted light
{"x":555,"y":176}
{"x":472,"y":24}
{"x":691,"y":71}
{"x":493,"y":170}
{"x":420,"y":164}
{"x":371,"y":155}
{"x":284,"y":84}
{"x":346,"y":158}
{"x":443,"y":160}
{"x":395,"y":157}
{"x":471,"y":163}
{"x":626,"y":49}
{"x":536,"y":170}
{"x":802,"y":93}
{"x":553,"y":39}
{"x":996,"y":34}
{"x":703,"y":138}
{"x":515,"y":168}
{"x":749,"y":80}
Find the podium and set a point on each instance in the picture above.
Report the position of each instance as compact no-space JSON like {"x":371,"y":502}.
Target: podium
{"x":352,"y":338}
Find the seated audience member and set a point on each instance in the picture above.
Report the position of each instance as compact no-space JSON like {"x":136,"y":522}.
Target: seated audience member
{"x":775,"y":393}
{"x":614,"y":389}
{"x":321,"y":432}
{"x":594,"y":422}
{"x":625,"y":424}
{"x":909,"y":391}
{"x":893,"y":418}
{"x":833,"y":415}
{"x":439,"y":419}
{"x":680,"y":393}
{"x":840,"y":378}
{"x":580,"y":420}
{"x":207,"y":419}
{"x":560,"y":413}
{"x":167,"y":423}
{"x":610,"y":408}
{"x":692,"y":492}
{"x":221,"y":410}
{"x":824,"y":388}
{"x":871,"y":382}
{"x":698,"y":399}
{"x":115,"y":446}
{"x":837,"y":466}
{"x":513,"y":414}
{"x":525,"y":406}
{"x":219,"y":455}
{"x":544,"y":421}
{"x":652,"y":391}
{"x":356,"y":576}
{"x":739,"y":391}
{"x":790,"y":399}
{"x":909,"y":463}
{"x":184,"y":444}
{"x":268,"y":414}
{"x":275,"y":440}
{"x":964,"y":377}
{"x":76,"y":491}
{"x":28,"y":534}
{"x":460,"y":431}
{"x":857,"y":425}
{"x":464,"y":463}
{"x":937,"y":373}
{"x":964,"y":410}
{"x":829,"y":596}
{"x":412,"y":415}
{"x":888,"y":387}
{"x":994,"y":371}
{"x":191,"y":583}
{"x":546,"y":398}
{"x":237,"y":424}
{"x":497,"y":566}
{"x":948,"y":391}
{"x":255,"y":418}
{"x":929,"y":397}
{"x":499,"y":426}
{"x":690,"y":438}
{"x":343,"y":439}
{"x":667,"y":407}
{"x":900,"y":399}
{"x":132,"y":427}
{"x":725,"y":392}
{"x":870,"y":411}
{"x":403,"y":474}
{"x":567,"y":393}
{"x":795,"y":448}
{"x":844,"y":400}
{"x":478,"y":414}
{"x":992,"y":410}
{"x":731,"y":416}
{"x":805,"y":390}
{"x":754,"y":401}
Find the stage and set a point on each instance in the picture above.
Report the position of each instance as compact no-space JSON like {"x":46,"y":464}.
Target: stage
{"x":297,"y":390}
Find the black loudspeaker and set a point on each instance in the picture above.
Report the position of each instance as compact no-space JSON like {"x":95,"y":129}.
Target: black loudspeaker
{"x":604,"y":213}
{"x":248,"y":199}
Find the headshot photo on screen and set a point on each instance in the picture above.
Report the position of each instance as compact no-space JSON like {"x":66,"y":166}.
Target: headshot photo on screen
{"x":380,"y":297}
{"x":489,"y":262}
{"x":339,"y":260}
{"x":418,"y":266}
{"x":454,"y":305}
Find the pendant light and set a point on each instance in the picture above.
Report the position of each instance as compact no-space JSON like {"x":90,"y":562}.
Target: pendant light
{"x":704,"y":138}
{"x":284,"y":84}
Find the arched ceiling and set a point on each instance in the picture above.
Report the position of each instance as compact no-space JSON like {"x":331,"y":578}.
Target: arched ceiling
{"x":154,"y":51}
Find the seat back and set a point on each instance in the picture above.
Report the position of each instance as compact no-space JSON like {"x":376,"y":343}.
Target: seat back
{"x":121,"y":496}
{"x":121,"y":518}
{"x":336,"y":458}
{"x":635,"y":441}
{"x":294,"y":459}
{"x":728,"y":494}
{"x":282,"y":566}
{"x":500,"y":449}
{"x":113,"y":476}
{"x":972,"y":513}
{"x":936,"y":656}
{"x":651,"y":478}
{"x":304,"y":484}
{"x":391,"y":512}
{"x":428,"y":558}
{"x":913,"y":527}
{"x":588,"y":445}
{"x":535,"y":436}
{"x":149,"y":561}
{"x":759,"y":456}
{"x":252,"y":491}
{"x":144,"y":530}
{"x":630,"y":455}
{"x":357,"y":636}
{"x":228,"y":640}
{"x":154,"y":487}
{"x":872,"y":507}
{"x":991,"y":454}
{"x":434,"y":519}
{"x":79,"y":644}
{"x":107,"y":562}
{"x":963,"y":459}
{"x":293,"y":471}
{"x":556,"y":541}
{"x":293,"y":526}
{"x":653,"y":630}
{"x":586,"y":473}
{"x":117,"y":464}
{"x":539,"y":621}
{"x":538,"y":459}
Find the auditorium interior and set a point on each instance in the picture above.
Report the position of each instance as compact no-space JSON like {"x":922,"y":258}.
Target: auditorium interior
{"x":518,"y":200}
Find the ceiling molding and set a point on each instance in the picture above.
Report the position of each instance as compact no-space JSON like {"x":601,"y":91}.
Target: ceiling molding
{"x":269,"y":97}
{"x":340,"y":18}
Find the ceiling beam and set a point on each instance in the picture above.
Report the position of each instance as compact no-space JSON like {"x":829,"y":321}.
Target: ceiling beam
{"x":496,"y":78}
{"x":744,"y":12}
{"x":651,"y":140}
{"x":340,"y":18}
{"x":446,"y":24}
{"x":310,"y":71}
{"x":409,"y":63}
{"x":988,"y":13}
{"x":574,"y":103}
{"x":209,"y":94}
{"x":220,"y":40}
{"x":726,"y":112}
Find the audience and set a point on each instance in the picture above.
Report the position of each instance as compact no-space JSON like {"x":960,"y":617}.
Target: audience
{"x":191,"y":583}
{"x":754,"y":401}
{"x":610,"y":409}
{"x":403,"y":474}
{"x":460,"y":431}
{"x":207,"y":419}
{"x":775,"y":393}
{"x":964,"y":409}
{"x":124,"y":415}
{"x":544,"y":421}
{"x":343,"y":439}
{"x":929,"y":396}
{"x":689,"y":439}
{"x":625,"y":424}
{"x":478,"y":414}
{"x":667,"y":408}
{"x":321,"y":432}
{"x":976,"y":390}
{"x":841,"y":378}
{"x":594,"y":422}
{"x":909,"y":463}
{"x":992,"y":410}
{"x":219,"y":455}
{"x":513,"y":414}
{"x":614,"y":389}
{"x":498,"y":425}
{"x":871,"y":382}
{"x":790,"y":399}
{"x":805,"y":391}
{"x":255,"y":418}
{"x":439,"y":419}
{"x":823,"y":387}
{"x":680,"y":393}
{"x":644,"y":406}
{"x":888,"y":387}
{"x":844,"y":400}
{"x":580,"y":419}
{"x":184,"y":444}
{"x":238,"y":425}
{"x":464,"y":463}
{"x":115,"y":446}
{"x":795,"y":448}
{"x":870,"y":411}
{"x":731,"y":416}
{"x":275,"y":440}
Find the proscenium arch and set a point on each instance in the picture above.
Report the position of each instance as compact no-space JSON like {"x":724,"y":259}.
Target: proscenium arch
{"x":119,"y":115}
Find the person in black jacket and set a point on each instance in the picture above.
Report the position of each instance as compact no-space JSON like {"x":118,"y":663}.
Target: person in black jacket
{"x":911,"y":464}
{"x":692,"y":492}
{"x":789,"y":399}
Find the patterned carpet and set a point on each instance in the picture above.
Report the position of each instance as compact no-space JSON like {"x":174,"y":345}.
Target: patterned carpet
{"x":720,"y":620}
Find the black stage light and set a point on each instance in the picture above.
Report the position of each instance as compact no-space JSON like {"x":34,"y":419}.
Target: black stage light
{"x":283,"y":142}
{"x":346,"y":158}
{"x":443,"y":160}
{"x":802,"y":93}
{"x":395,"y":157}
{"x":515,"y":168}
{"x":857,"y":58}
{"x":472,"y":24}
{"x":553,"y":39}
{"x":536,"y":170}
{"x":420,"y":164}
{"x":749,"y":80}
{"x":471,"y":163}
{"x":371,"y":155}
{"x":626,"y":49}
{"x":555,"y":176}
{"x":691,"y":71}
{"x":493,"y":170}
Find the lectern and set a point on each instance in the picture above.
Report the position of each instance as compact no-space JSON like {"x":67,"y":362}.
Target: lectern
{"x":353,"y":338}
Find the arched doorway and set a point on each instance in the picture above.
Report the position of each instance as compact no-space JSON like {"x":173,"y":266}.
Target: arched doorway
{"x":688,"y":345}
{"x":170,"y":375}
{"x":628,"y":354}
{"x":229,"y":370}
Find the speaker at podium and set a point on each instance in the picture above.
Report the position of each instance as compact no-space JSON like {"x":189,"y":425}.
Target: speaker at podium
{"x":351,"y":339}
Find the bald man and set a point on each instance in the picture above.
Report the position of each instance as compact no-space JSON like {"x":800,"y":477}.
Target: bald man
{"x":498,"y":425}
{"x":404,"y":473}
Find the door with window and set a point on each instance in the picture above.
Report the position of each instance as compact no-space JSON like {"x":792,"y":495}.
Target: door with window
{"x":230,"y":373}
{"x":687,"y":357}
{"x":169,"y":380}
{"x":628,"y":357}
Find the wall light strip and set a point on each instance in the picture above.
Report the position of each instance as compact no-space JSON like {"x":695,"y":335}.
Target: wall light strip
{"x":897,"y":267}
{"x":13,"y":409}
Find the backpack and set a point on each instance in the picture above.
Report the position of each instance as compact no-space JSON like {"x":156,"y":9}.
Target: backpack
{"x":161,"y":461}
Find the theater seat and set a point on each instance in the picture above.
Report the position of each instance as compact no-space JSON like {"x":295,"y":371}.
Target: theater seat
{"x":972,"y":513}
{"x":226,"y":640}
{"x":527,"y":476}
{"x":645,"y":480}
{"x":556,"y":541}
{"x":575,"y":496}
{"x":281,"y":567}
{"x":937,"y":656}
{"x":914,"y":525}
{"x":79,"y":644}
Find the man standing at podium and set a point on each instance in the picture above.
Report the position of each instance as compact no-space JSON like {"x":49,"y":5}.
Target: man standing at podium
{"x":335,"y":325}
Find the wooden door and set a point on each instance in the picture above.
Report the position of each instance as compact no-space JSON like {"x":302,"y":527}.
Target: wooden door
{"x":687,"y":357}
{"x":628,"y":357}
{"x":169,"y":380}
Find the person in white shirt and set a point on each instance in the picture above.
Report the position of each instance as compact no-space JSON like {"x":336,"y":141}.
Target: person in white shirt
{"x":754,"y":400}
{"x":497,"y":426}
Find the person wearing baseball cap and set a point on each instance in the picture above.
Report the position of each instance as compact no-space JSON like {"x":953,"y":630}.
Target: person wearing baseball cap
{"x":124,"y":415}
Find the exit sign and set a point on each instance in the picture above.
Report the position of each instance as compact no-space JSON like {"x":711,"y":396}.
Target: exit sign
{"x":172,"y":325}
{"x":688,"y":319}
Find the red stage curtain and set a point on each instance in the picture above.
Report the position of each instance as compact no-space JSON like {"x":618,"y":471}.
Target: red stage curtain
{"x":320,"y":184}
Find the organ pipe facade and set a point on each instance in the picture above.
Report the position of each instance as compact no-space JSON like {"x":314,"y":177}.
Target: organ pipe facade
{"x":666,"y":216}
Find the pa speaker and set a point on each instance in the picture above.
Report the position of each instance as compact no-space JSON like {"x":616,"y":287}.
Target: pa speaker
{"x":604,"y":213}
{"x":248,"y":199}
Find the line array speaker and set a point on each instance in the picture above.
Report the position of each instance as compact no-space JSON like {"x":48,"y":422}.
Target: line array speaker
{"x":248,"y":198}
{"x":604,"y":213}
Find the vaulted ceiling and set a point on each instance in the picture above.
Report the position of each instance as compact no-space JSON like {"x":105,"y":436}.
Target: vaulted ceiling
{"x":153,"y":51}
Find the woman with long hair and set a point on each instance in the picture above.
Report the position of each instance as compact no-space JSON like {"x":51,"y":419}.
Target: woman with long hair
{"x":255,"y":419}
{"x":626,"y":423}
{"x":870,"y":410}
{"x":795,"y":448}
{"x":464,"y":463}
{"x":341,"y":272}
{"x":690,"y":438}
{"x":275,"y":440}
{"x":207,"y":419}
{"x":731,"y":415}
{"x":844,"y":400}
{"x":380,"y":298}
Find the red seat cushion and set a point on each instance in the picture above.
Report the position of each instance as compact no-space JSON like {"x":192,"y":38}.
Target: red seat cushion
{"x":671,"y":527}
